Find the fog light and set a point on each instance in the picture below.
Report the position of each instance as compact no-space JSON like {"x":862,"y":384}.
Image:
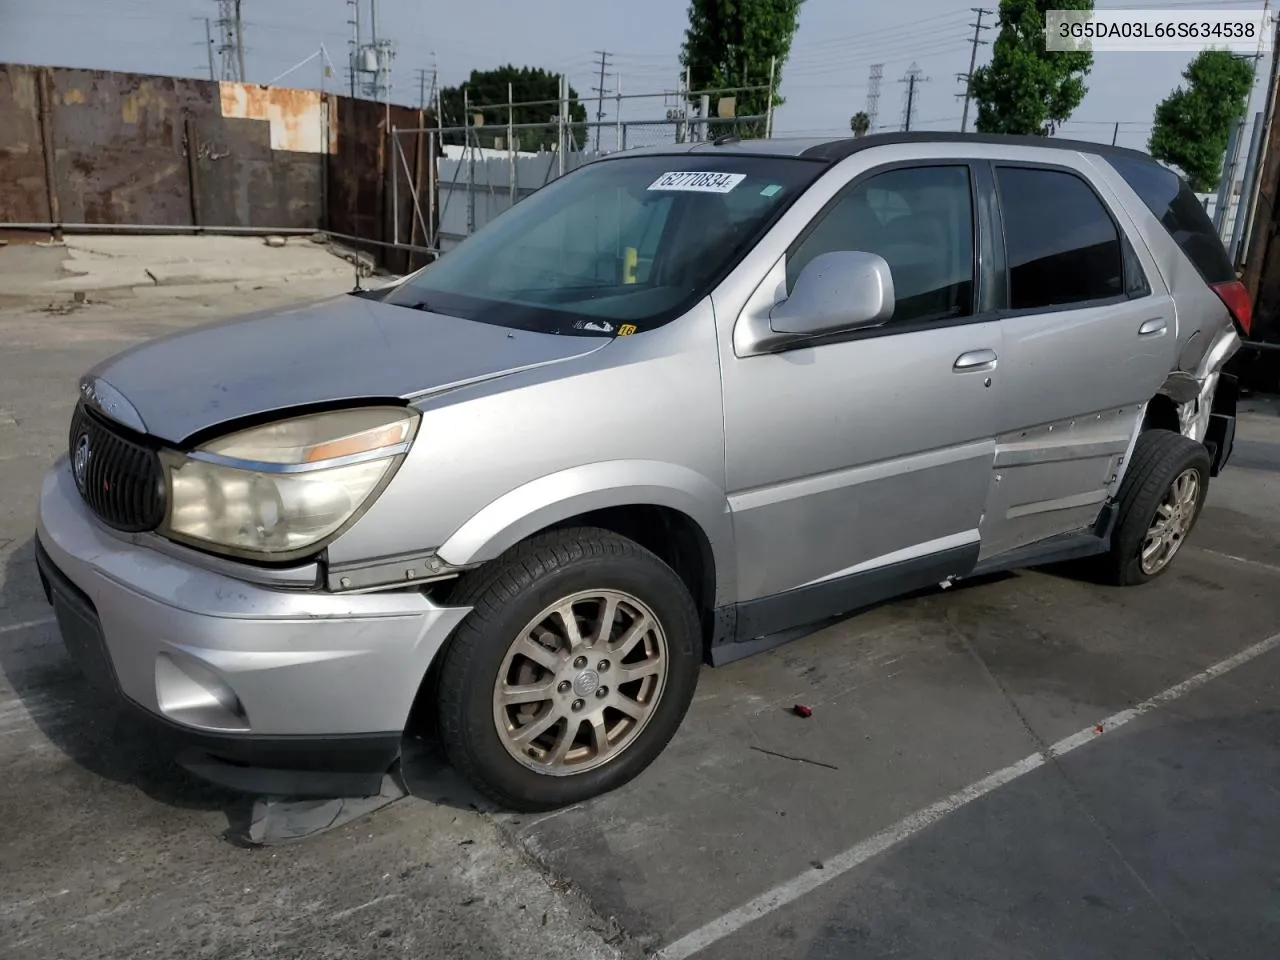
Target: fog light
{"x":195,"y":696}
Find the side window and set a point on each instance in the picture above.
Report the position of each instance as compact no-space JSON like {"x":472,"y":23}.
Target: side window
{"x":1062,"y":245}
{"x":920,"y":219}
{"x":1172,"y":202}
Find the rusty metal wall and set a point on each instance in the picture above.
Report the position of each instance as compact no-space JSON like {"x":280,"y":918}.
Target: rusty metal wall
{"x":121,"y":148}
{"x":118,"y":145}
{"x":23,"y":195}
{"x":360,"y":170}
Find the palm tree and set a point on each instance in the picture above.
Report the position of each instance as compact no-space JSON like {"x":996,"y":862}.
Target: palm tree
{"x":860,"y":123}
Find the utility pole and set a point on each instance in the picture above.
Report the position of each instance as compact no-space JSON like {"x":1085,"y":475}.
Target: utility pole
{"x":873,"y":96}
{"x":240,"y":41}
{"x":600,"y":92}
{"x":208,"y":42}
{"x":973,"y":61}
{"x":422,"y":88}
{"x":373,"y":41}
{"x":355,"y":43}
{"x":913,"y":79}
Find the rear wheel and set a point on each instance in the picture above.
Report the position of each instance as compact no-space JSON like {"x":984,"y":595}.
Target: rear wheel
{"x":1160,"y":500}
{"x":572,"y":672}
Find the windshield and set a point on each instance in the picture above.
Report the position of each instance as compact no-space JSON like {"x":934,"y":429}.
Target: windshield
{"x":617,"y":247}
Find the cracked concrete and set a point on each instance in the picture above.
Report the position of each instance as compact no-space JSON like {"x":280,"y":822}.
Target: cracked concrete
{"x":119,"y":265}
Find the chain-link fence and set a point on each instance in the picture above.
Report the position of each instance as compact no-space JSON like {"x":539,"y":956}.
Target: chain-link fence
{"x":488,"y":165}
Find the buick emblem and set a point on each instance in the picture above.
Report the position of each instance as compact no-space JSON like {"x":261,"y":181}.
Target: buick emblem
{"x":80,"y":461}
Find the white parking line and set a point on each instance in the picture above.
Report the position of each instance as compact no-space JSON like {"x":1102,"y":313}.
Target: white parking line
{"x":25,"y":625}
{"x":1245,"y":560}
{"x":860,"y":853}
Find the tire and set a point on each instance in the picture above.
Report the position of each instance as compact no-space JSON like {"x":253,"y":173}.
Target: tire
{"x":508,"y":598}
{"x":1160,"y":459}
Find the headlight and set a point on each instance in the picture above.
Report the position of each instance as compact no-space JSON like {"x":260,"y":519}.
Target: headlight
{"x":281,"y":489}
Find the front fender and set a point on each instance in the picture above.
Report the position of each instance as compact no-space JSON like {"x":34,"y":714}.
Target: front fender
{"x":536,"y":505}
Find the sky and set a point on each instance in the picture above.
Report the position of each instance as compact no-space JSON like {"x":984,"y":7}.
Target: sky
{"x":824,"y":81}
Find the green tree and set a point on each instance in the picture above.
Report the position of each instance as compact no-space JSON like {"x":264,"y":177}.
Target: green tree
{"x":731,"y":43}
{"x":488,"y":89}
{"x":860,"y":123}
{"x":1193,"y":123}
{"x":1026,"y":89}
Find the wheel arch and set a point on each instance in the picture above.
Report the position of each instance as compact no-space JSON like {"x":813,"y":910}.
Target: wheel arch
{"x":1162,"y":414}
{"x":679,"y":514}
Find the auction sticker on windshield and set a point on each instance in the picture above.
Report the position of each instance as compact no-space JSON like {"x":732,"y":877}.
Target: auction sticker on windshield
{"x":698,"y":182}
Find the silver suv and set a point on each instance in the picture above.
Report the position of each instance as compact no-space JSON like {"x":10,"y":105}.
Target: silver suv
{"x":667,"y":410}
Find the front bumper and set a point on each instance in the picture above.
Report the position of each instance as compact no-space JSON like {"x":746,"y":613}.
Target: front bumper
{"x":271,"y":690}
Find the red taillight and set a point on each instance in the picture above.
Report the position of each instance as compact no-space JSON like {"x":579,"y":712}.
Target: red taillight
{"x":1236,"y":297}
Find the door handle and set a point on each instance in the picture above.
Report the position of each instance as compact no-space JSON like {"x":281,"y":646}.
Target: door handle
{"x":972,"y":360}
{"x":1153,"y":327}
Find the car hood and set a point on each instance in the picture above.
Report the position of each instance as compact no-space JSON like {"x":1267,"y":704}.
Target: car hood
{"x":345,"y":349}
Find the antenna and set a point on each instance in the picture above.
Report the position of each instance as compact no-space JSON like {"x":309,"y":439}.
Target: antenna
{"x":873,"y":96}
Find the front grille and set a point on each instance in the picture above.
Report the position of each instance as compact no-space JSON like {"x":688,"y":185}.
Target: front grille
{"x":118,"y":477}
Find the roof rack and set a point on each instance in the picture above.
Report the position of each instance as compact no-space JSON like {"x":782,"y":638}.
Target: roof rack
{"x":834,"y":150}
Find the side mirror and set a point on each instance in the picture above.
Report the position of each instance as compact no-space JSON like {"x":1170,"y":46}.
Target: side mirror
{"x":836,"y":291}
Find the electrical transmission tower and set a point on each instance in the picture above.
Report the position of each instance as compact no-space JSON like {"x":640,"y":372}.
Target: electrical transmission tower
{"x":967,"y":78}
{"x":231,"y":40}
{"x":873,"y":96}
{"x":913,"y":79}
{"x":600,"y":92}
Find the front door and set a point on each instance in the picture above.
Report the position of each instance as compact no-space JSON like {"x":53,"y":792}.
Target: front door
{"x":859,"y":468}
{"x":1087,"y":340}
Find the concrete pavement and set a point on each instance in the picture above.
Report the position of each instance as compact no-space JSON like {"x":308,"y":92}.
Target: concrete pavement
{"x":107,"y":265}
{"x":1156,"y":839}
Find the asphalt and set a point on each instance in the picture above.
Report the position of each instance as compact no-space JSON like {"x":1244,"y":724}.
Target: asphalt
{"x":1155,"y":839}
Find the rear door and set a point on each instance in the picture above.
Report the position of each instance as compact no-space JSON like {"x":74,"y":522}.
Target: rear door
{"x":1088,"y":334}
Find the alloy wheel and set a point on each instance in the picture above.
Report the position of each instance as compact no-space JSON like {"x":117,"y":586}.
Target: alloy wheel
{"x":580,"y":682}
{"x":1171,"y":523}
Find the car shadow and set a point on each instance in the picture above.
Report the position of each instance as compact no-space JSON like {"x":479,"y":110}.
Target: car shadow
{"x":99,"y":734}
{"x":104,"y":737}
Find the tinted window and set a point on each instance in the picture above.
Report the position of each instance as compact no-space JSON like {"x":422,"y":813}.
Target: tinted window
{"x":921,"y":221}
{"x":1175,"y":205}
{"x":618,"y":245}
{"x":1062,"y":245}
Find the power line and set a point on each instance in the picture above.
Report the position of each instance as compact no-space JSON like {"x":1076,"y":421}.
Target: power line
{"x":973,"y":60}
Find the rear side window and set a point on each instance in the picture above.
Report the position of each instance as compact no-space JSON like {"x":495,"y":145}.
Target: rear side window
{"x":1176,"y":206}
{"x":1061,"y":244}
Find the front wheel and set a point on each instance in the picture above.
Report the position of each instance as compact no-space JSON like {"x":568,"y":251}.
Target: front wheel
{"x":572,"y":672}
{"x":1160,"y":500}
